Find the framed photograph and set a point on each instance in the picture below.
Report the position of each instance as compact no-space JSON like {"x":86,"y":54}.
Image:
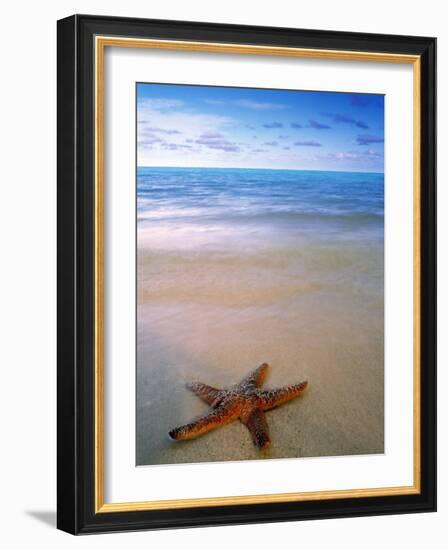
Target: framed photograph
{"x":246,"y":274}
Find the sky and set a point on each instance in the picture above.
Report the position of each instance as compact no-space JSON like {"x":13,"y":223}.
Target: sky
{"x":206,"y":126}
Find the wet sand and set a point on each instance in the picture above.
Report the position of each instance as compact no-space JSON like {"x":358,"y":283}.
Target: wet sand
{"x":215,"y":302}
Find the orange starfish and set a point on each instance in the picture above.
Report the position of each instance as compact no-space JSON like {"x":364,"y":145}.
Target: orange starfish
{"x":244,"y":401}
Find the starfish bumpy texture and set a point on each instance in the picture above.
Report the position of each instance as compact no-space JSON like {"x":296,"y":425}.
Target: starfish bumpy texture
{"x":244,"y":401}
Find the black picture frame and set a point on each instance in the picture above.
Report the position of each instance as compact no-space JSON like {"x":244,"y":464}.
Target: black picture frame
{"x":76,"y":286}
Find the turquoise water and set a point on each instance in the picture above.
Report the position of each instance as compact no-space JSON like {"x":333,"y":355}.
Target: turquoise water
{"x":241,"y":195}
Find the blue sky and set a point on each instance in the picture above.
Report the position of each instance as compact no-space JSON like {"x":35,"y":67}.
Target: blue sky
{"x":208,"y":126}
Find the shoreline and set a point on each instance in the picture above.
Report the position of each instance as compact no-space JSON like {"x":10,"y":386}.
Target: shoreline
{"x":241,"y":269}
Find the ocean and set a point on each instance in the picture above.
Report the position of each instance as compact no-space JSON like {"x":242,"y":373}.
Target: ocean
{"x":252,"y":197}
{"x":240,"y":266}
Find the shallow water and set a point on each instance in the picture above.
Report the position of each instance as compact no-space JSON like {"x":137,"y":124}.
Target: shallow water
{"x":239,"y":267}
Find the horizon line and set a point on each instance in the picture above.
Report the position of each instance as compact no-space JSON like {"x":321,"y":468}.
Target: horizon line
{"x":263,"y":168}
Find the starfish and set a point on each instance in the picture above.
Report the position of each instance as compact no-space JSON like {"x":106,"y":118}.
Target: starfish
{"x":244,"y":401}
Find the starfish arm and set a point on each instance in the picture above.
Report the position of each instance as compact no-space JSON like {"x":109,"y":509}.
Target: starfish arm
{"x":258,"y":427}
{"x":207,"y":393}
{"x":273,"y":398}
{"x":218,"y":417}
{"x":256,"y":377}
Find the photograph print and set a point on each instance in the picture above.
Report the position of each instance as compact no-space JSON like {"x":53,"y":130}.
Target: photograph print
{"x":260,"y":274}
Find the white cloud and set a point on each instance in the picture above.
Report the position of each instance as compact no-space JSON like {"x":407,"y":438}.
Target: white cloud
{"x":248,"y":104}
{"x":368,"y":158}
{"x":259,"y":105}
{"x":214,"y":101}
{"x":159,"y":104}
{"x":167,"y":130}
{"x":167,"y":117}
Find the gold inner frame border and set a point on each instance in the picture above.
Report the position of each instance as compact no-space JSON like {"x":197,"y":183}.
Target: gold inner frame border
{"x":101,"y":42}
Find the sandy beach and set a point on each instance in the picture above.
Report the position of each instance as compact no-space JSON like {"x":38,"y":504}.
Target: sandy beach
{"x":220,"y":292}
